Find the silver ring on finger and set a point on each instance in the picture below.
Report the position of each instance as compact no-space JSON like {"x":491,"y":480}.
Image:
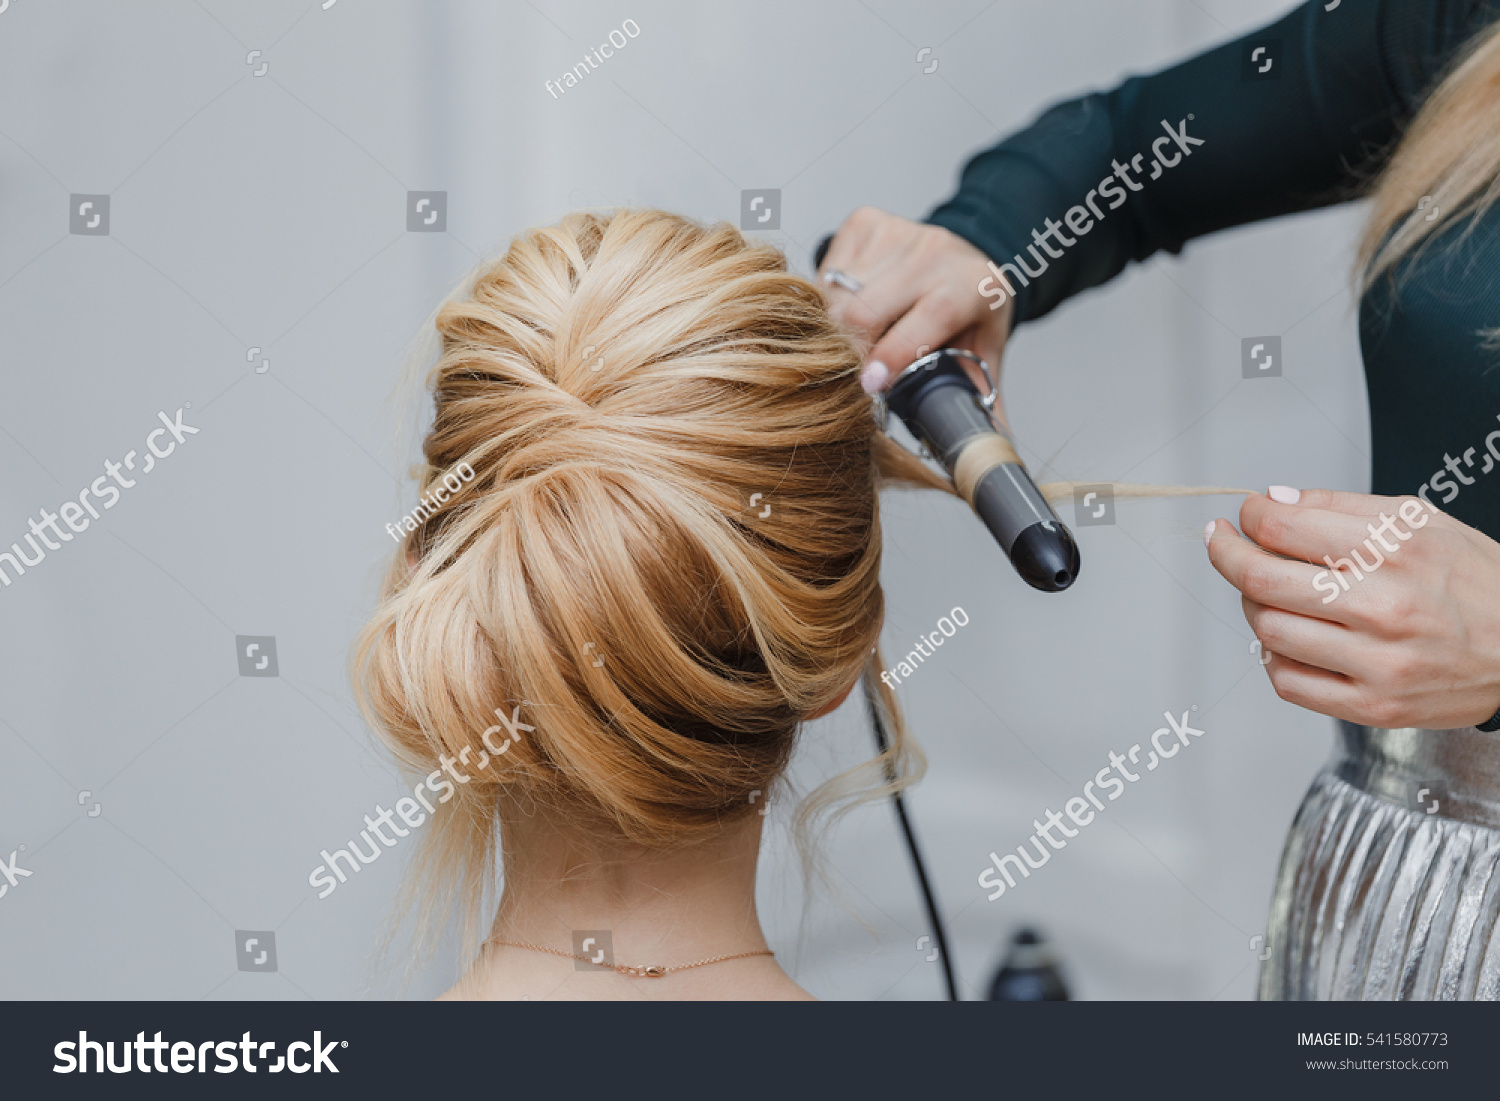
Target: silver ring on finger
{"x":843,"y":279}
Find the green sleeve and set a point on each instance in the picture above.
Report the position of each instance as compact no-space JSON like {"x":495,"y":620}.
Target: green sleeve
{"x":1228,"y":139}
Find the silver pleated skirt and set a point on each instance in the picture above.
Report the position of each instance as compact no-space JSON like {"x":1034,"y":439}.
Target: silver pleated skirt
{"x":1388,"y":887}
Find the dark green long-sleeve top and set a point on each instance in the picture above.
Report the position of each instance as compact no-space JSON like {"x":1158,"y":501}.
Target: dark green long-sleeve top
{"x":1298,"y":134}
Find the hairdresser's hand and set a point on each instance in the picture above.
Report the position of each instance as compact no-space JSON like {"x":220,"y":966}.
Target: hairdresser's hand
{"x":1413,"y":642}
{"x":920,"y":293}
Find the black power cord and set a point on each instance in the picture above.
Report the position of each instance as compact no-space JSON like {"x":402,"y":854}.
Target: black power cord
{"x":882,"y":739}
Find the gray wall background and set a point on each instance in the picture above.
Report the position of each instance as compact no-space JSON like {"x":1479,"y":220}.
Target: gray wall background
{"x":269,"y":212}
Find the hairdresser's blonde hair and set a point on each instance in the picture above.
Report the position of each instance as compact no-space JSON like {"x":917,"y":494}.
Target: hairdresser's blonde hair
{"x":1450,"y":155}
{"x":668,"y":557}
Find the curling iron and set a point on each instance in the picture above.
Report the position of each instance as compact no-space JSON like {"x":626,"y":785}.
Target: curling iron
{"x":942,"y":409}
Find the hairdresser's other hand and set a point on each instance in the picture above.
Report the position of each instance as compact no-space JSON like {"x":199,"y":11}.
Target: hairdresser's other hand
{"x":920,"y":293}
{"x":1413,"y":642}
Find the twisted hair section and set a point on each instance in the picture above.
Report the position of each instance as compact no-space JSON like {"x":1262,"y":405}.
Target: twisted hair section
{"x":668,"y":557}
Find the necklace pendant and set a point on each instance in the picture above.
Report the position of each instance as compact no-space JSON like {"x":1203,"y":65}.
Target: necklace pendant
{"x":654,"y":972}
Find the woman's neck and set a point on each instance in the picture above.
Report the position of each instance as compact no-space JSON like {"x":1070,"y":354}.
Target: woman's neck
{"x":640,"y":908}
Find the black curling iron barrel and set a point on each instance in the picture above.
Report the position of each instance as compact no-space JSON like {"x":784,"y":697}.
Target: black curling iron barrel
{"x":941,"y":407}
{"x":939,"y":404}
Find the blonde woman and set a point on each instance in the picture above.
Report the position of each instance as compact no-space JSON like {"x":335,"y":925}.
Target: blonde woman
{"x":1388,"y":886}
{"x":664,"y":556}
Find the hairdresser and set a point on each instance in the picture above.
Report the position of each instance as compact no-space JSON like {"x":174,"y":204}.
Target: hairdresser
{"x":1397,"y":101}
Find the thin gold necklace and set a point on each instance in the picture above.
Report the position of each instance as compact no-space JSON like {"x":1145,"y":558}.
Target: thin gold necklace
{"x":648,"y":972}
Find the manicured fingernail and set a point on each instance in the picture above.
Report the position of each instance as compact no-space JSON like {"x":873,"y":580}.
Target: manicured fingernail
{"x":1285,"y":494}
{"x":874,"y":377}
{"x":1208,"y":532}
